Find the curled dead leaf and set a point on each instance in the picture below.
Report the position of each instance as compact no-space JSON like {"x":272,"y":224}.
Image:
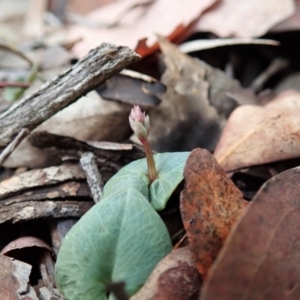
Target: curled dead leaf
{"x":25,"y":242}
{"x":210,"y":204}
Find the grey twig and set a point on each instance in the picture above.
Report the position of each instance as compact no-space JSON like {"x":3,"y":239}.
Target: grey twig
{"x":87,"y":74}
{"x":276,"y":66}
{"x":13,"y":145}
{"x":93,"y":176}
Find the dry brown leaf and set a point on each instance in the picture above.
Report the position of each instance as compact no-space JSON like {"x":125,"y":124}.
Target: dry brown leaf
{"x":251,"y":18}
{"x":140,"y":23}
{"x":257,"y":135}
{"x":175,"y":277}
{"x":185,"y":119}
{"x":260,"y":259}
{"x":25,"y":242}
{"x":210,"y":204}
{"x":132,"y":88}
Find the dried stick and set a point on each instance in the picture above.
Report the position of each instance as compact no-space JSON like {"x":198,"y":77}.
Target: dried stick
{"x":276,"y":66}
{"x":93,"y":176}
{"x":88,"y":73}
{"x":13,"y":145}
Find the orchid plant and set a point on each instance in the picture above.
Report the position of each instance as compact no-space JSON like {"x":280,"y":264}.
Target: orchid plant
{"x":122,"y":237}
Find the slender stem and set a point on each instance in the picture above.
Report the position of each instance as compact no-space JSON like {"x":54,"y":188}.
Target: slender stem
{"x":150,"y":161}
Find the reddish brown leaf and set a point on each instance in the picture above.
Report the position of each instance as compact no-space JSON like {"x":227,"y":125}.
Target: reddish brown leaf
{"x":260,"y":258}
{"x":175,"y":277}
{"x":210,"y":204}
{"x":257,"y":135}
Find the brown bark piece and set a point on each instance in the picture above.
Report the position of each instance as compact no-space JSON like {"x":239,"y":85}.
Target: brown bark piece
{"x":107,"y":153}
{"x":175,"y":277}
{"x":14,"y":277}
{"x":210,"y":204}
{"x":92,"y":70}
{"x":66,"y":190}
{"x":260,"y":259}
{"x":40,"y":177}
{"x":33,"y":209}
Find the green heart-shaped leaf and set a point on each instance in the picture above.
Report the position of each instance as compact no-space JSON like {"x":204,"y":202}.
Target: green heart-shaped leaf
{"x":170,"y":173}
{"x":121,"y":238}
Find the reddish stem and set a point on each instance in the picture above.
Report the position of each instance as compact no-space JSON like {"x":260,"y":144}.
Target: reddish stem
{"x":150,"y":161}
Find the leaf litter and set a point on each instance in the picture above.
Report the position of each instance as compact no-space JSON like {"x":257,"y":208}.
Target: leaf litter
{"x":262,"y":263}
{"x":228,"y":96}
{"x":210,"y":204}
{"x":270,"y":134}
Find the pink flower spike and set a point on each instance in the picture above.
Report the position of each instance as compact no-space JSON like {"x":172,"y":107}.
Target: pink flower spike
{"x":140,"y":125}
{"x":137,"y":114}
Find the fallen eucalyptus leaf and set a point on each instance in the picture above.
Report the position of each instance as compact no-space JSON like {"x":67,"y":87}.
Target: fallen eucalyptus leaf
{"x":210,"y":204}
{"x":257,"y":135}
{"x":260,"y":258}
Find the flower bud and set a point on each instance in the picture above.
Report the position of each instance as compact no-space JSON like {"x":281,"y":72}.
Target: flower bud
{"x":139,"y":123}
